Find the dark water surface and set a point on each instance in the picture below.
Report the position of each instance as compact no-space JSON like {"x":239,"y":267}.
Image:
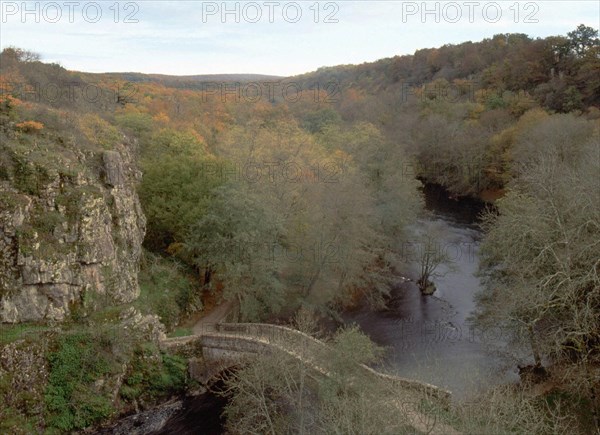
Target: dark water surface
{"x":201,"y":415}
{"x":429,"y":338}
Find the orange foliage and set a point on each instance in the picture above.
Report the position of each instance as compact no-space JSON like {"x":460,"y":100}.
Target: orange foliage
{"x":11,"y":82}
{"x":10,"y":101}
{"x":30,"y":126}
{"x":162,"y":118}
{"x":196,"y":135}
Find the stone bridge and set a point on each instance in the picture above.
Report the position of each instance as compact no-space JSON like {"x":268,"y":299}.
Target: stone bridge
{"x":225,"y":345}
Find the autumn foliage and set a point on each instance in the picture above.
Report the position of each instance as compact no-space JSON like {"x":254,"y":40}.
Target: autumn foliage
{"x":30,"y":126}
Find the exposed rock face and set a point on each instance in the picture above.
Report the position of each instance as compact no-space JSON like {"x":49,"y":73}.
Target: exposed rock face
{"x":147,"y":327}
{"x":113,"y":168}
{"x":146,"y":422}
{"x":72,"y":235}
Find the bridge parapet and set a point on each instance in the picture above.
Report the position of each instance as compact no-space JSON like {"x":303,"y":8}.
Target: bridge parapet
{"x":230,"y":342}
{"x":226,"y":345}
{"x":319,"y":353}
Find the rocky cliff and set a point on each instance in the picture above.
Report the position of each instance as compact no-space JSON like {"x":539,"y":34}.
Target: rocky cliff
{"x":71,"y":229}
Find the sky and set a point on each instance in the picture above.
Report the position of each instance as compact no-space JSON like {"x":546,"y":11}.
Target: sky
{"x":265,"y":37}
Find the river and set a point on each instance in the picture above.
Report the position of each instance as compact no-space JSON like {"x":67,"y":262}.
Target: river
{"x":430,"y":338}
{"x":199,"y":415}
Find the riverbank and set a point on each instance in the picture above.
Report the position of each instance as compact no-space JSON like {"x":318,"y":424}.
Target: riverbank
{"x":144,"y":422}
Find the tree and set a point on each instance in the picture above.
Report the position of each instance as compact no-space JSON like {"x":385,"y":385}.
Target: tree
{"x":316,"y":120}
{"x":235,"y":240}
{"x":175,"y":191}
{"x":504,"y":409}
{"x":583,"y":39}
{"x":139,"y":123}
{"x":383,"y":166}
{"x":330,"y":243}
{"x":19,"y":55}
{"x":540,"y":254}
{"x":430,"y":255}
{"x":276,"y":393}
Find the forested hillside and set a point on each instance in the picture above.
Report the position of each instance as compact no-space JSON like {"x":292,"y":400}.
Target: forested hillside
{"x":459,"y":108}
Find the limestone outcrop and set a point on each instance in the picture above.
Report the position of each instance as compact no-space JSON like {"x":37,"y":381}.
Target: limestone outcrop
{"x":71,"y":230}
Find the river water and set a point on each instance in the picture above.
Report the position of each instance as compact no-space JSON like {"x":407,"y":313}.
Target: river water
{"x":199,"y":415}
{"x":428,"y":338}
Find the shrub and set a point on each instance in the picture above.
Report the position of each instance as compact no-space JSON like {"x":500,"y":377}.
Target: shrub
{"x":29,"y":178}
{"x":165,"y":290}
{"x":72,"y":399}
{"x":30,"y":126}
{"x":153,"y":375}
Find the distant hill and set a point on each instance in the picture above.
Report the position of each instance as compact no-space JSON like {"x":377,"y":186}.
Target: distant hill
{"x":192,"y":81}
{"x":560,"y":72}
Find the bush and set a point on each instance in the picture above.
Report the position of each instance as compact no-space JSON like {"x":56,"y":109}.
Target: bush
{"x":29,"y":178}
{"x":30,"y":126}
{"x":154,"y":376}
{"x":72,"y":399}
{"x":165,"y":290}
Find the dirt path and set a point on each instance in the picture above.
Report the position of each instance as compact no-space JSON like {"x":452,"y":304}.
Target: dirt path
{"x":216,"y":315}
